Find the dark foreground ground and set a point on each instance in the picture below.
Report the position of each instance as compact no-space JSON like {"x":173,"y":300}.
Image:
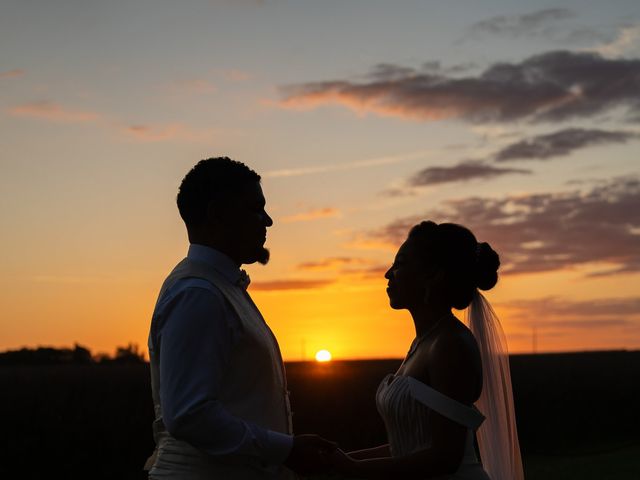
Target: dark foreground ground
{"x":578,"y":415}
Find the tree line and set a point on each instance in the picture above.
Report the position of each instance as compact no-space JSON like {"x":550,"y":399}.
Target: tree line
{"x":78,"y":355}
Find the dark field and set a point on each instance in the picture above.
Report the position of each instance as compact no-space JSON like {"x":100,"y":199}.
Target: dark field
{"x":578,"y":415}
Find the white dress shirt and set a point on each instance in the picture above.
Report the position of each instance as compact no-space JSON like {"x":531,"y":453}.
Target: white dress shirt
{"x":195,"y":331}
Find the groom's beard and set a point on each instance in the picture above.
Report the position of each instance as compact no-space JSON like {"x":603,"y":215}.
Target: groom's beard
{"x":263,"y":255}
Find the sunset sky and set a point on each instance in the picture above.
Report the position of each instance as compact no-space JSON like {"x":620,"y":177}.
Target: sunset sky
{"x":520,"y":120}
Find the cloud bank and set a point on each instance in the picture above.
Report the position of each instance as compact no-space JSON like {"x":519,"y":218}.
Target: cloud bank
{"x":550,"y":87}
{"x":542,"y":232}
{"x":541,"y":147}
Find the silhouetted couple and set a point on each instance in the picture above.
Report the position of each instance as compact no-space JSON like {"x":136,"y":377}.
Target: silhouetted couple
{"x":218,"y":381}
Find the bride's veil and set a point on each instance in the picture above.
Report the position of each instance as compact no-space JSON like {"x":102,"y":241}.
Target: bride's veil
{"x":497,"y":436}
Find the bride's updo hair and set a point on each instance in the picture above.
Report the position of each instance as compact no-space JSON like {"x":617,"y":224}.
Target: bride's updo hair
{"x":464,"y":264}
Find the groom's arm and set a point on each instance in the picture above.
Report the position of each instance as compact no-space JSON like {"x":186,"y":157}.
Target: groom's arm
{"x":196,"y":332}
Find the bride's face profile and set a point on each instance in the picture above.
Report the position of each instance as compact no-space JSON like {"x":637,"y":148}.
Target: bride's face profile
{"x":406,"y":277}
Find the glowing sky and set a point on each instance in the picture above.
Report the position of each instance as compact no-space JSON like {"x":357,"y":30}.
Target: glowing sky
{"x":518,"y":119}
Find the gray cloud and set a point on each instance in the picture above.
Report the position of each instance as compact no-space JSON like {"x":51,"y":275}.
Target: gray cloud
{"x":553,"y":86}
{"x":464,"y":171}
{"x":560,"y":143}
{"x":548,"y":231}
{"x":549,"y":24}
{"x":534,"y":23}
{"x":581,"y":35}
{"x":541,"y":147}
{"x":388,"y":72}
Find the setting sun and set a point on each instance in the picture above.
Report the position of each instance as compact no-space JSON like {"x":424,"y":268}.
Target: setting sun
{"x":323,"y":356}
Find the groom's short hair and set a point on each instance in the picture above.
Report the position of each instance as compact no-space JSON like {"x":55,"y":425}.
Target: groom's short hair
{"x":207,"y":181}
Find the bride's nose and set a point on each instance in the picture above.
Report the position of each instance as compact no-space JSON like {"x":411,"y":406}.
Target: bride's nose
{"x":387,"y":274}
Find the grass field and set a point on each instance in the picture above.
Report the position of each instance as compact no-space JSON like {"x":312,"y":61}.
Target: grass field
{"x":577,"y":415}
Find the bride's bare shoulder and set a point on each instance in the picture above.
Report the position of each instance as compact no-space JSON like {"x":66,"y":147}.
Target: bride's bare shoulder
{"x":455,"y":368}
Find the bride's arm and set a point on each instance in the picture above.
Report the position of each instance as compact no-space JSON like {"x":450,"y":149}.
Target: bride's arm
{"x":381,"y":451}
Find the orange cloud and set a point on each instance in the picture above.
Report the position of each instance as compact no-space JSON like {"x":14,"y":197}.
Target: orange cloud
{"x":333,"y":263}
{"x":373,"y":103}
{"x":375,"y":271}
{"x":12,"y":73}
{"x":312,"y":215}
{"x":172,"y":131}
{"x":53,"y":112}
{"x":276,"y":285}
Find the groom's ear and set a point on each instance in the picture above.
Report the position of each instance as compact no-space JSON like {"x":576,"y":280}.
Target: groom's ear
{"x":213,"y":212}
{"x":219,"y":211}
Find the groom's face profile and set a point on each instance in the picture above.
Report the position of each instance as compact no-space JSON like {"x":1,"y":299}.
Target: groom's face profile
{"x":245,"y":221}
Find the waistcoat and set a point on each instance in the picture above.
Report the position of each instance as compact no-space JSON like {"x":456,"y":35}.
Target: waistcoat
{"x":253,"y":388}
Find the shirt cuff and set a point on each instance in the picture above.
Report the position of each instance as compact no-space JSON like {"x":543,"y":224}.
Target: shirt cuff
{"x":278,"y":447}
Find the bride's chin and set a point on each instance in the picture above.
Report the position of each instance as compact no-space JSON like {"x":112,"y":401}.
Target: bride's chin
{"x":394,"y":304}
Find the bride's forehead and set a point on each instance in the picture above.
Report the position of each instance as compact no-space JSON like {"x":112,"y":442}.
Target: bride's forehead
{"x":408,"y":248}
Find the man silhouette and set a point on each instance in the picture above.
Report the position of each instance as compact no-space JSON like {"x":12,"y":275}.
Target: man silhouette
{"x":218,"y":382}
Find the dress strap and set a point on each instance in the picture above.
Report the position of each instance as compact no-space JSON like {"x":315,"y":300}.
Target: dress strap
{"x":460,"y":413}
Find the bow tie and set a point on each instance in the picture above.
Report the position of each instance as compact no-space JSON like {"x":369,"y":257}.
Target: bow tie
{"x":243,"y":280}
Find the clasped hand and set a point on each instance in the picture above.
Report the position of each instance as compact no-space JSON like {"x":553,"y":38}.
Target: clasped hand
{"x":313,"y":454}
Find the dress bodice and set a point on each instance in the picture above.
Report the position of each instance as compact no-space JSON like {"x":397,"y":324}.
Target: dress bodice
{"x":405,"y":405}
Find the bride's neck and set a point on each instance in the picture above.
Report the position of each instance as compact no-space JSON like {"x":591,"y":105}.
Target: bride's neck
{"x":425,"y":317}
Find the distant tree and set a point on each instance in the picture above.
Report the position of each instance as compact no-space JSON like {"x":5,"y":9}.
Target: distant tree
{"x":129,"y":354}
{"x":102,"y":357}
{"x":81,"y":355}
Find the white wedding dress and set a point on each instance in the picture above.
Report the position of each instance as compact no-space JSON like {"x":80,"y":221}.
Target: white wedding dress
{"x":405,"y":405}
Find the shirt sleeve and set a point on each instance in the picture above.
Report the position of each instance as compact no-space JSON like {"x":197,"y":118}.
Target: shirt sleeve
{"x":195,"y":336}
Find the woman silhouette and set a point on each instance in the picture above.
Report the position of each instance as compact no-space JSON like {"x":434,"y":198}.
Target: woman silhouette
{"x":455,"y":380}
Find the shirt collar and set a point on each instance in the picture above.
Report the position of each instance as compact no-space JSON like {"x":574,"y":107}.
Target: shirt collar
{"x":216,"y":259}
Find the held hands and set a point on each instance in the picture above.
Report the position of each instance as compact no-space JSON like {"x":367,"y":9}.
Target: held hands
{"x":340,"y":462}
{"x":313,"y":454}
{"x":310,"y":454}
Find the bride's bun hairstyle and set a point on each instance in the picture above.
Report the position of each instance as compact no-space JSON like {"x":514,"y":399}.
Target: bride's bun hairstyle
{"x":452,"y":251}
